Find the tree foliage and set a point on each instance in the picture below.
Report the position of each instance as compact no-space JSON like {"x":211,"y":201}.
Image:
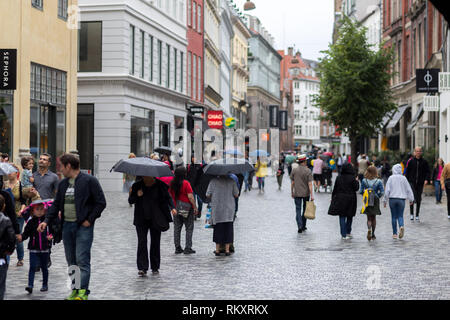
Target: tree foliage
{"x":355,"y":91}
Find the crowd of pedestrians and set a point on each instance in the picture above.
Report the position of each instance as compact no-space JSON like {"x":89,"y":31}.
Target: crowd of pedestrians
{"x":41,"y":208}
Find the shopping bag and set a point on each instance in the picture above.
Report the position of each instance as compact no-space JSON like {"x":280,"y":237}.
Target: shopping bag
{"x":310,"y":212}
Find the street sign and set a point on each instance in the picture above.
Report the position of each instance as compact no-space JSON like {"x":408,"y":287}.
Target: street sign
{"x":215,"y":119}
{"x":273,"y":116}
{"x":444,"y":81}
{"x":283,"y":120}
{"x":8,"y":69}
{"x":196,"y":109}
{"x":427,"y":80}
{"x":230,"y":122}
{"x":431,"y":103}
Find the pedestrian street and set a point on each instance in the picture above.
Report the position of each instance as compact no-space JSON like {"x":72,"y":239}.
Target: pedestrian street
{"x":272,"y":260}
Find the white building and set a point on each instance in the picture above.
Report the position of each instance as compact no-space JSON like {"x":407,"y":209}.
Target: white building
{"x":444,"y":112}
{"x":306,"y":84}
{"x":131,"y":80}
{"x":225,"y":42}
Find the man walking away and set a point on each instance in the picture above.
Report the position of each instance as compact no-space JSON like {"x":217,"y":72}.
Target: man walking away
{"x":81,"y":201}
{"x":302,"y":191}
{"x":417,"y":172}
{"x":363,"y":164}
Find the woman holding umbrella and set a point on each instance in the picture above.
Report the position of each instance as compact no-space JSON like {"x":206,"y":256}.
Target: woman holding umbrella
{"x":153,"y":207}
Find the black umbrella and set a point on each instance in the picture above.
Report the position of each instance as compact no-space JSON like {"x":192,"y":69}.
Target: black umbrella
{"x":164,"y":150}
{"x":225,"y":166}
{"x":144,"y":167}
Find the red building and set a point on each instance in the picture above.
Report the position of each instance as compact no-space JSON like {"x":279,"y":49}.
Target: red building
{"x":195,"y":53}
{"x":413,"y":29}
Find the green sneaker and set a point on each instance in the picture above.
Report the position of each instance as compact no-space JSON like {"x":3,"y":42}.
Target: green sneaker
{"x":73,"y":295}
{"x":82,"y":295}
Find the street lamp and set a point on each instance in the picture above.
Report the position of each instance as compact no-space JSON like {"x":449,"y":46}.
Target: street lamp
{"x":249,"y":5}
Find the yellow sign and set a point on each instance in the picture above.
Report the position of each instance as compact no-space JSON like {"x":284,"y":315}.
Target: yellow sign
{"x":230,"y":122}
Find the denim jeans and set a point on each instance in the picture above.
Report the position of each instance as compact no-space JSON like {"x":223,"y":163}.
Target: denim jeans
{"x":346,"y":225}
{"x":19,"y":249}
{"x":3,"y":272}
{"x":300,"y":208}
{"x":397,"y":208}
{"x":438,"y":190}
{"x":246,"y":176}
{"x":42,"y":258}
{"x":77,"y":247}
{"x":260,"y":182}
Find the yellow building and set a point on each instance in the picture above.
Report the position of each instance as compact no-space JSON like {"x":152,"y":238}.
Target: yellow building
{"x":240,"y":69}
{"x":41,"y":114}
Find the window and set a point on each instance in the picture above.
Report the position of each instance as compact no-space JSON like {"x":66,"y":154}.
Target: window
{"x":297,"y":85}
{"x":164,"y":134}
{"x":194,"y":16}
{"x":142,"y":131}
{"x":297,"y":99}
{"x":189,"y":13}
{"x":168,"y":67}
{"x":48,"y":86}
{"x":160,"y":62}
{"x":151,"y":58}
{"x":199,"y":84}
{"x":37,"y":4}
{"x":189,"y":74}
{"x":175,"y":69}
{"x":90,"y":47}
{"x":297,"y":114}
{"x":132,"y":50}
{"x":181,"y":71}
{"x":194,"y":82}
{"x":62,"y":9}
{"x":142,"y":54}
{"x":199,"y":13}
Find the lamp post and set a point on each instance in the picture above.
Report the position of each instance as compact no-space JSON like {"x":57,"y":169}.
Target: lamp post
{"x":249,"y":5}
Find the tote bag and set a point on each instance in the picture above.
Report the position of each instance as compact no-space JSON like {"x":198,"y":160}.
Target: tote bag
{"x":310,"y":212}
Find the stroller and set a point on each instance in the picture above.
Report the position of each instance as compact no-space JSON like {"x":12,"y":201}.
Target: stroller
{"x":326,"y":179}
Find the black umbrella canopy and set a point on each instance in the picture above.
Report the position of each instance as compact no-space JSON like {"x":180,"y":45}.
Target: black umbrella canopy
{"x":228,"y":165}
{"x":142,"y":166}
{"x":442,"y":7}
{"x":164,"y":150}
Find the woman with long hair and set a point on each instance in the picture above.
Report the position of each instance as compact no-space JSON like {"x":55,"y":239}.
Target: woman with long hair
{"x":437,"y":172}
{"x":261,"y":173}
{"x":375,"y":185}
{"x":183,"y":198}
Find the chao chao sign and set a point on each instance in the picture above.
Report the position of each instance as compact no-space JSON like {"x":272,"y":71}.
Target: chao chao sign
{"x":215,"y":119}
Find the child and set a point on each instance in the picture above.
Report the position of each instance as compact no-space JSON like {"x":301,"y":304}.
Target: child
{"x":371,"y":181}
{"x":7,"y":244}
{"x":39,"y":245}
{"x":27,"y":174}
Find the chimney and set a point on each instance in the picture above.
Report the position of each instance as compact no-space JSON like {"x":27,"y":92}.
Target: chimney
{"x":290,"y":51}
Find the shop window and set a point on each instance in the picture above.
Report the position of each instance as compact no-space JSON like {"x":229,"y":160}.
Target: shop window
{"x":90,"y":47}
{"x":142,"y":131}
{"x":6,"y":123}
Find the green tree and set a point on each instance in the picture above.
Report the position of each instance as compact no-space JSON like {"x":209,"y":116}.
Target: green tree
{"x":355,"y":91}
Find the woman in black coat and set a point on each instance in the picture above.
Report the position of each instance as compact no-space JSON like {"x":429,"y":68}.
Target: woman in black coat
{"x":152,"y":212}
{"x":343,"y":201}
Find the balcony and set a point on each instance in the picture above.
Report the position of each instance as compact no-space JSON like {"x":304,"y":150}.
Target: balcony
{"x":396,"y":27}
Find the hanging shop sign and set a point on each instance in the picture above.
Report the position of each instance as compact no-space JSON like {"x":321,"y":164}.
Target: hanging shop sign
{"x":427,"y":80}
{"x":444,"y":81}
{"x":215,"y":119}
{"x":431,"y":103}
{"x":273,"y":116}
{"x":8,"y":69}
{"x":283,"y":120}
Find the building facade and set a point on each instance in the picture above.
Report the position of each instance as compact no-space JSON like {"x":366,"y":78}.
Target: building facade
{"x":40,"y":115}
{"x":132,"y":91}
{"x":213,"y":59}
{"x":240,"y":74}
{"x":413,"y":29}
{"x":264,"y":67}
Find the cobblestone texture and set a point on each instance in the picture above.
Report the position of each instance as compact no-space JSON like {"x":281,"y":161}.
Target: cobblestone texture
{"x":272,"y":261}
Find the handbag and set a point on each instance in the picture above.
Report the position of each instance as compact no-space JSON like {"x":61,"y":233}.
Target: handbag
{"x":310,"y":212}
{"x":183,"y":208}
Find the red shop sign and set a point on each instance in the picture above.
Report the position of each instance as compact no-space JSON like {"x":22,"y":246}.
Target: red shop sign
{"x":215,"y":119}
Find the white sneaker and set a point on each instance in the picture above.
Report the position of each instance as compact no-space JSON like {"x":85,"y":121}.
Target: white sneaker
{"x":345,"y":238}
{"x":349,"y":236}
{"x":412,"y":217}
{"x":417,"y":218}
{"x":449,"y":216}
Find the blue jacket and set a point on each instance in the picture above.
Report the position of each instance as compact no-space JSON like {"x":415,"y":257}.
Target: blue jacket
{"x":377,"y":187}
{"x":89,"y":200}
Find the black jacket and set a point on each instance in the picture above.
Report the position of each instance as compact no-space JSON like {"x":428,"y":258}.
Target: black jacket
{"x":38,"y":240}
{"x":343,"y":201}
{"x":89,"y":200}
{"x":10,"y":210}
{"x":417,"y":171}
{"x":435,"y":174}
{"x":160,"y":216}
{"x":194,"y":174}
{"x":7,"y":236}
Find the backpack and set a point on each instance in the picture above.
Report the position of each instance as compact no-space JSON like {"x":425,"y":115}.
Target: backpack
{"x":368,"y":195}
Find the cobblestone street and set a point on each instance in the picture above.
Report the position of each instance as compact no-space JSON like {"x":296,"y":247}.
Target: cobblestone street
{"x":272,"y":261}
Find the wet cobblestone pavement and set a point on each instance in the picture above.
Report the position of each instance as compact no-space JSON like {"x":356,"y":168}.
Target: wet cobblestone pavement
{"x":272,"y":261}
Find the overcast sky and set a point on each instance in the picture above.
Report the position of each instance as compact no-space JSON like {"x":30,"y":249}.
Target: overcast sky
{"x":305,"y":24}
